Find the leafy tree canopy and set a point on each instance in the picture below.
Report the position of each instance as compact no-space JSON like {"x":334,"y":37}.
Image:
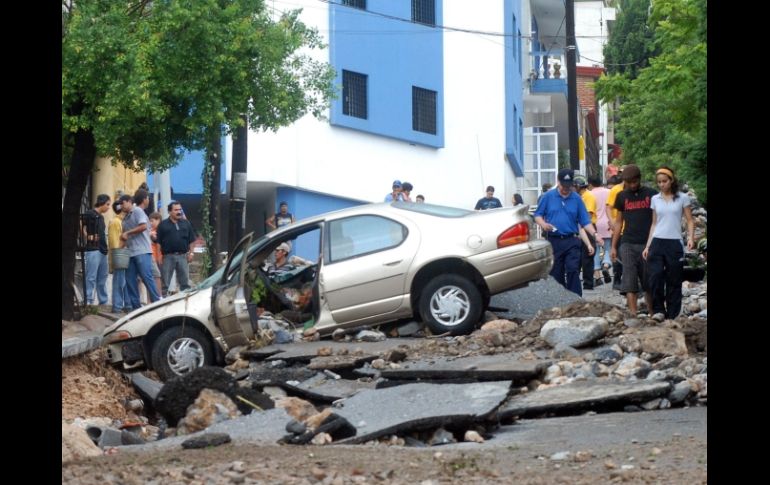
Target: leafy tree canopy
{"x":663,"y":112}
{"x":150,"y":77}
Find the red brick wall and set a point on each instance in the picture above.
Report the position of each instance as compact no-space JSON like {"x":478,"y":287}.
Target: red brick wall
{"x":585,"y":92}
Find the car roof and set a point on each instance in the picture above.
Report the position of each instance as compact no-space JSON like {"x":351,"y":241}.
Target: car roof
{"x":398,"y":208}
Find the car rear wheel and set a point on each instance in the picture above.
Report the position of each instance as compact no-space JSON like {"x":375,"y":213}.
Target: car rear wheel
{"x":179,"y":350}
{"x":451,"y":303}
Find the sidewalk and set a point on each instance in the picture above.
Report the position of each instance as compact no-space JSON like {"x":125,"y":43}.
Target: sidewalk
{"x":84,"y":335}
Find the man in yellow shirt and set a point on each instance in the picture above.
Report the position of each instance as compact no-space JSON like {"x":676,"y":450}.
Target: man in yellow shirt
{"x":587,"y":261}
{"x":114,"y":230}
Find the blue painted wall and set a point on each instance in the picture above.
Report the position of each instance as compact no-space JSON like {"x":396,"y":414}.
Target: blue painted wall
{"x":186,"y":175}
{"x":395,"y":56}
{"x":550,"y":85}
{"x":305,"y":204}
{"x":514,"y":105}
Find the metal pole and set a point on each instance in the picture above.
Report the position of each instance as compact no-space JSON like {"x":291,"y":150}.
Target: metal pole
{"x":238,"y":185}
{"x":572,"y":111}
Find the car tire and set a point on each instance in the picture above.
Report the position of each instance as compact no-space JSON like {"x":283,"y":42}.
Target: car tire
{"x":179,"y":350}
{"x":451,"y":303}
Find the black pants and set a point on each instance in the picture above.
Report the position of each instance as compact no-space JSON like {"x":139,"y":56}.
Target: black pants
{"x":587,"y":265}
{"x":665,"y":263}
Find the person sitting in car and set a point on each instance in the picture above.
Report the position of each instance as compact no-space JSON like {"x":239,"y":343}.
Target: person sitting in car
{"x":283,"y":264}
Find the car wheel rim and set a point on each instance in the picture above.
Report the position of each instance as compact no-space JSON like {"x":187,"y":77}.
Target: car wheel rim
{"x":185,"y":355}
{"x":449,"y":305}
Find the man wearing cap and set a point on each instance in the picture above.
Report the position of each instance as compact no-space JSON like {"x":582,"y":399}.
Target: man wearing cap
{"x":396,"y":194}
{"x":283,"y":263}
{"x":488,"y":202}
{"x":563,"y":217}
{"x":635,"y":217}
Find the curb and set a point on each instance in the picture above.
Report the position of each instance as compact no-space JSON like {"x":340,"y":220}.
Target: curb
{"x":80,"y":344}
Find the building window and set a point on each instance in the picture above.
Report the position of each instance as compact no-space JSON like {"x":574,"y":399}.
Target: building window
{"x":515,"y":137}
{"x":423,"y":110}
{"x":515,"y":40}
{"x":424,"y":11}
{"x":355,"y":3}
{"x":354,"y":94}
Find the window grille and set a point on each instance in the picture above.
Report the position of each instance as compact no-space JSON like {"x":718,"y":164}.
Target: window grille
{"x":424,"y":11}
{"x":355,"y":3}
{"x":354,"y":94}
{"x":423,"y":110}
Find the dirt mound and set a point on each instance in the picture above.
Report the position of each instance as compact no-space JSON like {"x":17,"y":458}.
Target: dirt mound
{"x":91,"y":388}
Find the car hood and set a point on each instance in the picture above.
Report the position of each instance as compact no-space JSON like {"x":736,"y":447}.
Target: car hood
{"x":148,"y":308}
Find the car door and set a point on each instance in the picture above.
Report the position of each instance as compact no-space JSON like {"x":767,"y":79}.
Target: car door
{"x":367,"y":258}
{"x":228,"y":300}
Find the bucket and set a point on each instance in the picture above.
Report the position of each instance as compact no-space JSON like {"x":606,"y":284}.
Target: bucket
{"x":120,"y":258}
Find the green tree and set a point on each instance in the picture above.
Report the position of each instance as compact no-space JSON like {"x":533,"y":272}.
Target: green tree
{"x":631,"y":40}
{"x":143,"y":79}
{"x":663,"y":112}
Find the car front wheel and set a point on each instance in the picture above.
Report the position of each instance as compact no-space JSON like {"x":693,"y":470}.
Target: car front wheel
{"x":179,"y":350}
{"x":450,"y":303}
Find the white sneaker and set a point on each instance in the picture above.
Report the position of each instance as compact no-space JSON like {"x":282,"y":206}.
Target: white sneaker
{"x":659,"y":317}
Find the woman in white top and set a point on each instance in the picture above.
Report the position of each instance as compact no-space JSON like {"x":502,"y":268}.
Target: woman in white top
{"x":664,"y":251}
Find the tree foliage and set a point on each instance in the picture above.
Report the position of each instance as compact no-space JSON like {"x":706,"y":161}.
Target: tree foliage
{"x":631,"y":41}
{"x":663,"y":112}
{"x":148,"y":78}
{"x":143,"y":79}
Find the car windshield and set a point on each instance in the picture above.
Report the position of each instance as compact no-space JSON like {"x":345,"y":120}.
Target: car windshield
{"x":432,"y":209}
{"x":217,"y":276}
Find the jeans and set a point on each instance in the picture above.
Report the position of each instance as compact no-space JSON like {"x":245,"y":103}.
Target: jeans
{"x":140,"y":266}
{"x":96,"y":275}
{"x":179,"y":263}
{"x":605,"y":259}
{"x":119,"y":294}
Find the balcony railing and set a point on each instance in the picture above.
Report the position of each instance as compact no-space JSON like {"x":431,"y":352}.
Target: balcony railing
{"x":545,"y":66}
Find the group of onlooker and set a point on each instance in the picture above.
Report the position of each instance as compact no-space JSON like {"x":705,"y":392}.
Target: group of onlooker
{"x":136,"y":247}
{"x":403,"y":192}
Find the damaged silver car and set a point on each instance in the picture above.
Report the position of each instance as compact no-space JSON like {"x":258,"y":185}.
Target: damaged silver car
{"x":364,"y":265}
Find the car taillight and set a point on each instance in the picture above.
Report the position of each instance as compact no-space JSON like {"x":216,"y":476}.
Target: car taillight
{"x":514,"y":235}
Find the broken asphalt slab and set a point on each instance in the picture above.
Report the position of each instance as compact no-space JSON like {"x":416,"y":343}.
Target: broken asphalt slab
{"x":581,"y":395}
{"x":401,"y":409}
{"x":321,"y":388}
{"x":147,"y":388}
{"x":483,"y":368}
{"x":603,"y":431}
{"x":305,"y":351}
{"x":525,"y":302}
{"x":259,"y":427}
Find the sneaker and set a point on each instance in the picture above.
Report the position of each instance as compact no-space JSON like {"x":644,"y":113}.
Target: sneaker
{"x":598,"y":282}
{"x":659,"y":317}
{"x":606,"y":274}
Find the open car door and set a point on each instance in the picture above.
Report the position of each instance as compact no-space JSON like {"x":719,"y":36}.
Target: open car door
{"x":228,"y":300}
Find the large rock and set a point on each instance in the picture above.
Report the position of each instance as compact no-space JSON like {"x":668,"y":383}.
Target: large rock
{"x":666,"y":341}
{"x":209,"y":408}
{"x":575,"y":332}
{"x":76,"y":444}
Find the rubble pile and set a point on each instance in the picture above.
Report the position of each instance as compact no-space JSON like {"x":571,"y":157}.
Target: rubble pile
{"x":585,"y":356}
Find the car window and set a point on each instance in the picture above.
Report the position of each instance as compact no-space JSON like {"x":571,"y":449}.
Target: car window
{"x":359,"y":235}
